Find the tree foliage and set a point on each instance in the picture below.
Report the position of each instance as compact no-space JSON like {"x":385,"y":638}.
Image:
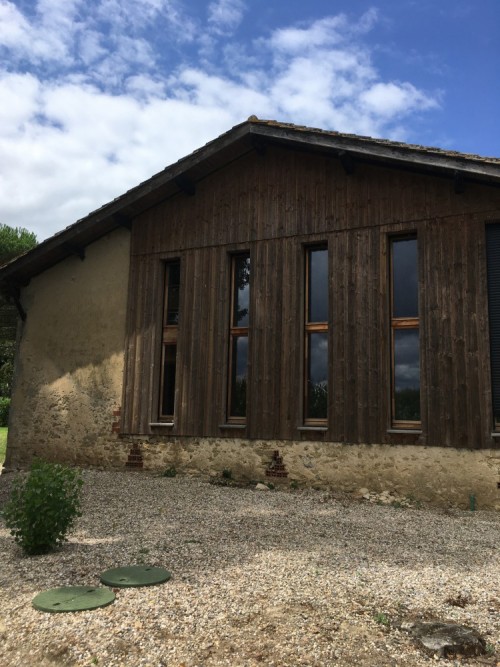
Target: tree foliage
{"x":14,"y":241}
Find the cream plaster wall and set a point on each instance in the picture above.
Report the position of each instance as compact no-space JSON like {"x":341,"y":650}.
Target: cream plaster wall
{"x":69,"y":366}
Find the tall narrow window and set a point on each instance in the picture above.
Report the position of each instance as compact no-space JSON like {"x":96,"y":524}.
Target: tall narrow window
{"x":405,"y":333}
{"x":169,"y":340}
{"x":316,"y":336}
{"x":493,"y":265}
{"x":238,"y":338}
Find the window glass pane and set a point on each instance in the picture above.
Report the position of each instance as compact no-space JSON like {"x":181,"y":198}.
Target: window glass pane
{"x":317,"y":376}
{"x":405,"y":278}
{"x":241,"y":290}
{"x":493,"y":265}
{"x":406,"y":375}
{"x":318,"y":285}
{"x":174,"y":279}
{"x":239,"y":376}
{"x":168,"y":393}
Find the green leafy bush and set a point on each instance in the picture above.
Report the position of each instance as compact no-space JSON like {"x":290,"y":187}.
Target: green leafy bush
{"x":4,"y":411}
{"x":43,"y":506}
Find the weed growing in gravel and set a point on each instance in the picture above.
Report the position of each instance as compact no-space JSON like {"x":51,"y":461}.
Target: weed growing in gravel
{"x":227,"y":473}
{"x":43,"y":506}
{"x":170,"y":472}
{"x":381,"y":619}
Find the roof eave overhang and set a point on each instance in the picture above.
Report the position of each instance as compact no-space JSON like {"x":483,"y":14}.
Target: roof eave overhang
{"x":230,"y":146}
{"x":393,"y":154}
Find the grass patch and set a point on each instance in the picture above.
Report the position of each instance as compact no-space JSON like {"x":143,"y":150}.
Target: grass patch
{"x":3,"y":443}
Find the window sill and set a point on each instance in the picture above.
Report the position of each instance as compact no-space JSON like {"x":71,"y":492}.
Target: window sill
{"x":237,"y":426}
{"x":404,"y":431}
{"x":321,"y":429}
{"x":161,"y":424}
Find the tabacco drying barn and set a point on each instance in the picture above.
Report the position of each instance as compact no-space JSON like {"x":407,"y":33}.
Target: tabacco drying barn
{"x":285,"y":302}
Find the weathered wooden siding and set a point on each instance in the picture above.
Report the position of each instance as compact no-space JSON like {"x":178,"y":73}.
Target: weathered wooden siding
{"x":273,"y":205}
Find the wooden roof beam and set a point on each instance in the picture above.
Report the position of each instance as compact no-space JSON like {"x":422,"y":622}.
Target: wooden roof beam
{"x":347,"y":162}
{"x":74,"y":249}
{"x":185,"y":184}
{"x":14,"y":293}
{"x":458,"y":183}
{"x":258,"y":144}
{"x":122,"y":220}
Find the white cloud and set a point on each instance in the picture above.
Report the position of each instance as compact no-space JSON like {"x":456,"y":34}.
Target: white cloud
{"x":294,"y":40}
{"x":18,"y":93}
{"x":14,"y":28}
{"x":224,"y":16}
{"x":113,"y":113}
{"x":43,"y":39}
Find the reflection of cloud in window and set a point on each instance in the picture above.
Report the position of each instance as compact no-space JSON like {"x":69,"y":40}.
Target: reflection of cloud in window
{"x":408,"y":377}
{"x":243,"y":297}
{"x":319,"y":359}
{"x":407,"y":360}
{"x":241,"y":359}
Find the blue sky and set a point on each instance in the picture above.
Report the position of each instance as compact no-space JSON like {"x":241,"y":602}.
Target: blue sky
{"x":98,"y":95}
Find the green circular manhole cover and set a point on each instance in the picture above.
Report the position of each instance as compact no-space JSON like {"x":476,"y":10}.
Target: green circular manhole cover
{"x":135,"y":575}
{"x":73,"y":598}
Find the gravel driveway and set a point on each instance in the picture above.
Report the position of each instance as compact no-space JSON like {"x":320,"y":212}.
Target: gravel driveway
{"x":280,"y":578}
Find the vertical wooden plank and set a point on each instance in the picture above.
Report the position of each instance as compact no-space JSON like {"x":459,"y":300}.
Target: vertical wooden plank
{"x":130,"y":349}
{"x":154,"y":339}
{"x":374,"y":335}
{"x":221,"y":339}
{"x":483,"y":347}
{"x":185,"y":343}
{"x":291,"y":348}
{"x":337,"y":337}
{"x":350,"y":428}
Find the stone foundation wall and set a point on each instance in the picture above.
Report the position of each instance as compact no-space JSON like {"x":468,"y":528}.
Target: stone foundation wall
{"x":442,"y":476}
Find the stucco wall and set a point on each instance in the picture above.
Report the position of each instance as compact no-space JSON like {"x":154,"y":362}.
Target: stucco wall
{"x":69,"y":365}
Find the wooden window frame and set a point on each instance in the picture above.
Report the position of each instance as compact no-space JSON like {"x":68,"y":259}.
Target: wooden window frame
{"x":398,"y":324}
{"x":311,"y":328}
{"x":169,"y":339}
{"x":235,"y":332}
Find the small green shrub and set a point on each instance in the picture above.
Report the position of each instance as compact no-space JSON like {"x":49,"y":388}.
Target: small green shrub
{"x":4,"y":411}
{"x":170,"y":472}
{"x":43,"y":506}
{"x":227,"y":473}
